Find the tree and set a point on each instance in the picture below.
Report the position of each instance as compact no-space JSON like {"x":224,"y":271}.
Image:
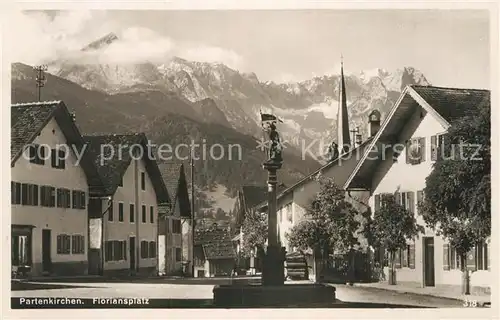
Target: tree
{"x":457,"y":195}
{"x":254,"y":229}
{"x":331,"y":223}
{"x":392,"y":227}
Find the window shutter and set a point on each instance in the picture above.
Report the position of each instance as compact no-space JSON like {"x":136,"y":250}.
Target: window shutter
{"x":422,"y":149}
{"x":404,"y":258}
{"x":377,"y":202}
{"x":53,"y":158}
{"x":35,"y":195}
{"x":411,"y":201}
{"x":42,"y":154}
{"x":18,"y":193}
{"x":471,"y":260}
{"x":397,"y":257}
{"x":446,"y":256}
{"x":12,"y":192}
{"x":83,"y":200}
{"x":68,"y":199}
{"x":434,"y":148}
{"x":59,"y":244}
{"x":412,"y":256}
{"x":445,"y":138}
{"x":62,"y":159}
{"x":24,"y":193}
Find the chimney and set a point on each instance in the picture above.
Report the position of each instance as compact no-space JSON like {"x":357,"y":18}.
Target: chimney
{"x":373,"y":123}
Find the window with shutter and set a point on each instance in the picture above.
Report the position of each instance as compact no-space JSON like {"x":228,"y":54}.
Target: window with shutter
{"x":404,"y":257}
{"x":12,"y":192}
{"x":52,"y":197}
{"x":152,"y":249}
{"x":67,"y":195}
{"x":397,"y":262}
{"x":124,"y":245}
{"x":446,"y":256}
{"x":75,"y":199}
{"x":422,"y":149}
{"x":132,"y":213}
{"x":24,"y":194}
{"x":471,"y":260}
{"x":83,"y":201}
{"x":411,"y":256}
{"x":74,"y":247}
{"x":59,"y":244}
{"x":143,"y":213}
{"x":53,"y":158}
{"x":120,"y":212}
{"x":407,"y":151}
{"x":411,"y":201}
{"x":434,"y":148}
{"x":59,"y":198}
{"x":62,"y":159}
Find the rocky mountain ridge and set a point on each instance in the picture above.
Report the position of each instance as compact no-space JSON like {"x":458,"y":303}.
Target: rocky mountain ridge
{"x":219,"y":94}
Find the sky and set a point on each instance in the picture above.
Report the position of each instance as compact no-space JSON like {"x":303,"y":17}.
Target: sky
{"x":450,"y":47}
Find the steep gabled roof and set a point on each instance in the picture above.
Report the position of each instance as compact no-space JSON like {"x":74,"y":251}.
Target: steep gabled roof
{"x":453,"y":103}
{"x":29,"y":119}
{"x":445,"y":104}
{"x":112,"y":155}
{"x":219,"y":250}
{"x":176,"y":184}
{"x":216,"y":243}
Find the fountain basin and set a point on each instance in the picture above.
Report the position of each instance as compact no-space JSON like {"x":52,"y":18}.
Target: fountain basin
{"x":247,"y":295}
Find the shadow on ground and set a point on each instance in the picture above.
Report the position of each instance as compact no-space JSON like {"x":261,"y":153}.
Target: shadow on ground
{"x":166,"y":280}
{"x":22,"y":286}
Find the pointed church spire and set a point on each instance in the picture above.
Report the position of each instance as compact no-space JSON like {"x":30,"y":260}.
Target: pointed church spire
{"x":343,"y":134}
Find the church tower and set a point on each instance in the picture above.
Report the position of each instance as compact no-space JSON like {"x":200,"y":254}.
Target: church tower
{"x":343,"y":133}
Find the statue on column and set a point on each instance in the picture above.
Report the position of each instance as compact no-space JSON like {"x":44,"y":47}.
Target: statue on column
{"x":275,"y":144}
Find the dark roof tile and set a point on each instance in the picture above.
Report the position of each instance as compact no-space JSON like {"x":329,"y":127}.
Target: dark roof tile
{"x":112,"y":155}
{"x":219,"y":250}
{"x":27,"y":120}
{"x":453,"y":103}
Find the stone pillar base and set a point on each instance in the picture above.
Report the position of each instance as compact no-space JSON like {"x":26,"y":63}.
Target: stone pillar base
{"x":273,"y":272}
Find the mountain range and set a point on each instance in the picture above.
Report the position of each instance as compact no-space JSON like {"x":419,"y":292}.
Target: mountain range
{"x":231,"y":98}
{"x":177,"y":100}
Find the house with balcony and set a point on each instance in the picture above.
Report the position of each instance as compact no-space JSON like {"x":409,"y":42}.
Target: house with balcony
{"x":51,"y":182}
{"x":398,"y":159}
{"x":123,"y":215}
{"x":175,"y":251}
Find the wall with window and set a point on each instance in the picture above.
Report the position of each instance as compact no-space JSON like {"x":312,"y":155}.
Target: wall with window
{"x":407,"y":175}
{"x":134,"y":209}
{"x":53,"y":195}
